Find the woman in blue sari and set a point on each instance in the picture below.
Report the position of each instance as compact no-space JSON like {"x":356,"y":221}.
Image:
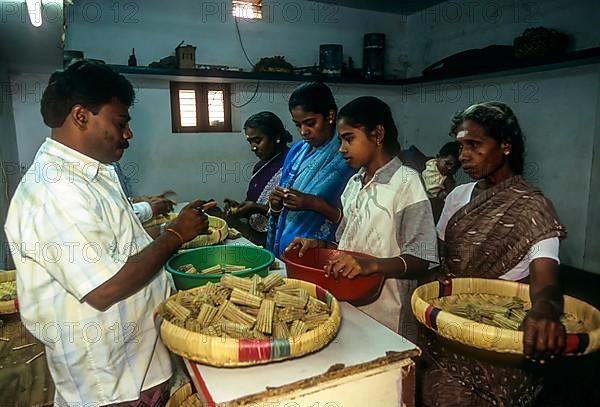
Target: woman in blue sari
{"x":307,"y":201}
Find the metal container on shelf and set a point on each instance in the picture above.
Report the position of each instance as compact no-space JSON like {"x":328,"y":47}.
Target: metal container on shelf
{"x":330,"y":59}
{"x":373,"y":55}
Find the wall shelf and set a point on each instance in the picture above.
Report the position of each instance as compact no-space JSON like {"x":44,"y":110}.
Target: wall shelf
{"x":571,"y":59}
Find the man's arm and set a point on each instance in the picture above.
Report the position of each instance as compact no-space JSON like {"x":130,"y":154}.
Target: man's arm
{"x":140,"y":268}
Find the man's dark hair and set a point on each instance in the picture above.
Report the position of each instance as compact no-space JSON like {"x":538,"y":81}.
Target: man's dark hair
{"x":451,"y":148}
{"x":85,"y":83}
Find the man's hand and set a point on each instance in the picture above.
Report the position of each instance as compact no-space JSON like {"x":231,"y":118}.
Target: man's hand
{"x":192,"y":221}
{"x":161,"y":206}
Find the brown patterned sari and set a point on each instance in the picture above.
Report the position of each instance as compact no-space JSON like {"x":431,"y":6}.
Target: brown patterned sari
{"x":486,"y":238}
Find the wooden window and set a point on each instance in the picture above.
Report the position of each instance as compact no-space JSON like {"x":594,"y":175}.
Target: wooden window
{"x":249,"y":9}
{"x":200,"y":107}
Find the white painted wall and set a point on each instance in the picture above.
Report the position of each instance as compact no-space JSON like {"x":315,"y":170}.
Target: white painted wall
{"x":557,"y":110}
{"x":107,"y":30}
{"x":9,"y":171}
{"x":215,"y":165}
{"x":457,"y":25}
{"x":209,"y":165}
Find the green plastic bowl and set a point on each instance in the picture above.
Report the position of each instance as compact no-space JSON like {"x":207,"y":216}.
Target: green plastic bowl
{"x":259,"y":260}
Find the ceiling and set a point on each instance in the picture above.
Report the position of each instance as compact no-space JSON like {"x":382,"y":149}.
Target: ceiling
{"x":404,"y":7}
{"x":23,"y":45}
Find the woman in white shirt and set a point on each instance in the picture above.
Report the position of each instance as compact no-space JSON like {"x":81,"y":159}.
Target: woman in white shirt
{"x":386,"y":214}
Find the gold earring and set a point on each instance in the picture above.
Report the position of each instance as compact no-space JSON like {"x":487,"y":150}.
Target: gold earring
{"x":507,"y":152}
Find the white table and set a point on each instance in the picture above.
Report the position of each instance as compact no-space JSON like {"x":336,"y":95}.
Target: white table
{"x":364,"y":353}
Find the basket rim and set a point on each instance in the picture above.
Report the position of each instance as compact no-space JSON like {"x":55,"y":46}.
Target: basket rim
{"x":243,"y":273}
{"x":580,"y":343}
{"x":322,"y":331}
{"x":10,"y":306}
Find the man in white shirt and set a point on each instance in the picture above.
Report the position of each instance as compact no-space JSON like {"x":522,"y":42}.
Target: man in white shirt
{"x":88,"y":276}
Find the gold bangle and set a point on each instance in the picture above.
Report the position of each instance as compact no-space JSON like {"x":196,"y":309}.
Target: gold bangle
{"x":404,"y":262}
{"x":339,"y":219}
{"x":273,"y":210}
{"x":176,"y":233}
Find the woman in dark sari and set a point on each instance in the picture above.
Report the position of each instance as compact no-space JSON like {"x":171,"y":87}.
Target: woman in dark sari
{"x":268,"y":139}
{"x":497,"y":227}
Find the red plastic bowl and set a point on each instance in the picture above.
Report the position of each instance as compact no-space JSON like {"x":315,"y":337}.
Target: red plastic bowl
{"x":360,"y":290}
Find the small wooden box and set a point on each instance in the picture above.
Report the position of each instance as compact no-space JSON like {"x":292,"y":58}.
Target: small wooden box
{"x":186,"y":56}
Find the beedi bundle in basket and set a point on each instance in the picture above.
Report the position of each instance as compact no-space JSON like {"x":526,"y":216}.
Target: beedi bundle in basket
{"x":248,"y":321}
{"x":486,"y":314}
{"x":217,"y":230}
{"x":185,"y":397}
{"x":8,"y":292}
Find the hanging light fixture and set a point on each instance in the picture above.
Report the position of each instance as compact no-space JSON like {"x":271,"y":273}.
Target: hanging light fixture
{"x":34,"y":9}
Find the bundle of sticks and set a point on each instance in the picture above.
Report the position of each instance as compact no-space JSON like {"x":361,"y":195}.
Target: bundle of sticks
{"x":496,"y":310}
{"x":247,"y":308}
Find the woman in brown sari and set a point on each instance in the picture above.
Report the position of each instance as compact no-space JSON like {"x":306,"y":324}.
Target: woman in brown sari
{"x":496,"y":227}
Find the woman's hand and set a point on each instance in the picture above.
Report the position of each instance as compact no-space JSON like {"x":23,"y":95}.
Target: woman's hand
{"x":230,"y":206}
{"x":161,"y":206}
{"x":276,"y":199}
{"x":544,"y":335}
{"x":305,"y":244}
{"x":348,"y":266}
{"x":298,"y":201}
{"x":246,"y":208}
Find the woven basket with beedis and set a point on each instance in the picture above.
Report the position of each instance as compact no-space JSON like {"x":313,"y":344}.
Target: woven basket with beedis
{"x":292,"y":331}
{"x":425,"y":305}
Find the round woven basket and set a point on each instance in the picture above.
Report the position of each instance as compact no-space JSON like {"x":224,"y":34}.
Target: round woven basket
{"x":489,"y":337}
{"x":12,"y":306}
{"x":217,"y":228}
{"x":230,"y":352}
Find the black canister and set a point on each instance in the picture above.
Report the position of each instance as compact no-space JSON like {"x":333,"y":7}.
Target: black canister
{"x":331,"y":59}
{"x":373,"y":55}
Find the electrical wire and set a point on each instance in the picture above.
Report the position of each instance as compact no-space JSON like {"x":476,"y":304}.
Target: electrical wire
{"x":249,"y":100}
{"x":237,"y":28}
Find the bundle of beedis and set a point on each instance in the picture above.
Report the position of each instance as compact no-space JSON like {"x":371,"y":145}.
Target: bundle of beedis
{"x":247,"y":308}
{"x":496,"y":310}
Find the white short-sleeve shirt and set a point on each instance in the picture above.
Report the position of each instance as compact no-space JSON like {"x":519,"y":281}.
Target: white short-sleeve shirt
{"x":70,"y":229}
{"x":388,"y":217}
{"x":459,"y":197}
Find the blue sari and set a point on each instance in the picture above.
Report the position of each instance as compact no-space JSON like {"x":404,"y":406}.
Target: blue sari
{"x":320,"y":171}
